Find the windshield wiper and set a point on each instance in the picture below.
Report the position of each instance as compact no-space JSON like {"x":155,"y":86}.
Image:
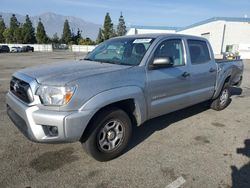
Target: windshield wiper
{"x":102,"y":61}
{"x":110,"y":62}
{"x":107,"y":61}
{"x":127,"y":64}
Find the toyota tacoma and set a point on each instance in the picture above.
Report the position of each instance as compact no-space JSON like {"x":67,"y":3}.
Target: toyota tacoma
{"x":123,"y":82}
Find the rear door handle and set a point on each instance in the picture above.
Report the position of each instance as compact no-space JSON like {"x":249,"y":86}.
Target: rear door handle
{"x":212,"y":70}
{"x":185,"y":74}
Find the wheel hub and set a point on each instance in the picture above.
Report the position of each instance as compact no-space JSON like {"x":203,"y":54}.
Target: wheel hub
{"x":224,"y":97}
{"x":111,"y":135}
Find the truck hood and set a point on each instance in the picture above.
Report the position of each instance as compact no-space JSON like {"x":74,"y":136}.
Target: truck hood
{"x":65,"y":72}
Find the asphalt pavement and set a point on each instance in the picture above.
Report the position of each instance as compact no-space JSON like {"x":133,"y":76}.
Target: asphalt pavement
{"x":195,"y":147}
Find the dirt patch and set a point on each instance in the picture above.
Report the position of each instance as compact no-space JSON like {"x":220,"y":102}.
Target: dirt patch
{"x":53,"y":160}
{"x":202,"y":139}
{"x":103,"y":185}
{"x":168,"y":172}
{"x":216,"y":124}
{"x":228,"y":155}
{"x":93,"y":173}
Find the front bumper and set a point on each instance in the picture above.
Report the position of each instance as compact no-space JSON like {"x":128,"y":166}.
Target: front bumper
{"x":30,"y":121}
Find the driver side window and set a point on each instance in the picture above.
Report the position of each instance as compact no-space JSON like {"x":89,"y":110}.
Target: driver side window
{"x":172,"y":49}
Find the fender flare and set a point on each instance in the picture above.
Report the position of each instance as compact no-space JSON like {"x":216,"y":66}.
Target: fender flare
{"x":221,"y":83}
{"x":111,"y":96}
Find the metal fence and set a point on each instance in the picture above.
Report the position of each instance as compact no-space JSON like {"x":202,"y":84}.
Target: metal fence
{"x":50,"y":47}
{"x":82,"y":48}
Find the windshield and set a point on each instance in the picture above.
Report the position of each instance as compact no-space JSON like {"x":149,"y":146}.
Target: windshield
{"x":123,"y":51}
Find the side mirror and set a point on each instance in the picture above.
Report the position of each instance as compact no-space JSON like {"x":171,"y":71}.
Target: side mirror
{"x":162,"y":62}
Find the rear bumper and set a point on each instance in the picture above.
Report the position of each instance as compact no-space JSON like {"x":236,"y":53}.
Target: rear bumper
{"x":30,"y":121}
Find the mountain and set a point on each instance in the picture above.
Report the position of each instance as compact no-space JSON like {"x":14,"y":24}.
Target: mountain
{"x":53,"y":23}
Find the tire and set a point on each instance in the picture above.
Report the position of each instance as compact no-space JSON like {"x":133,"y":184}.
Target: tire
{"x":223,"y":100}
{"x":110,"y":136}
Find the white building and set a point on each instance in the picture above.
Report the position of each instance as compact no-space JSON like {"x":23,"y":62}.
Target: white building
{"x":224,"y":34}
{"x":150,"y":29}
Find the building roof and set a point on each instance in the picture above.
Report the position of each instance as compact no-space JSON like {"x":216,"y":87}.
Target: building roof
{"x":157,"y":35}
{"x":155,"y":27}
{"x":228,"y":19}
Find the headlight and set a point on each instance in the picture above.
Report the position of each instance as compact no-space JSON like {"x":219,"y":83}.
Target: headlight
{"x":55,"y":96}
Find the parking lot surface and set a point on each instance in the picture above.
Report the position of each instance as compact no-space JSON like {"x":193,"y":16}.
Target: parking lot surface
{"x":204,"y":147}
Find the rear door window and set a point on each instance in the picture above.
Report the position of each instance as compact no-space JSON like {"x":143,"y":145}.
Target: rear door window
{"x":198,"y":51}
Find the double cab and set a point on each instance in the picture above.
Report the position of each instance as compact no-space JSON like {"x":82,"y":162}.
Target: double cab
{"x":122,"y":83}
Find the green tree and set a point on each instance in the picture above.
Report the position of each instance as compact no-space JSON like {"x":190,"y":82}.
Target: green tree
{"x":41,"y":35}
{"x":14,"y":25}
{"x":99,"y":36}
{"x":18,"y":35}
{"x":28,"y":32}
{"x":108,"y":30}
{"x":76,"y":37}
{"x":55,"y":39}
{"x":86,"y":41}
{"x":66,"y":36}
{"x":121,"y":28}
{"x":2,"y":29}
{"x":7,"y":35}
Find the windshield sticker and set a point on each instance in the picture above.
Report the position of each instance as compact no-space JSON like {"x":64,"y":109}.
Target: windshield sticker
{"x":136,"y":41}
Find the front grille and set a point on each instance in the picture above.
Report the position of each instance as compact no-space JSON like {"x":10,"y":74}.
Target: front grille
{"x":21,"y":89}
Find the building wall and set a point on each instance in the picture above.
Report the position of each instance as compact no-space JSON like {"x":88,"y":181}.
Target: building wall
{"x":243,"y":49}
{"x":213,"y":31}
{"x":236,"y":33}
{"x":135,"y":31}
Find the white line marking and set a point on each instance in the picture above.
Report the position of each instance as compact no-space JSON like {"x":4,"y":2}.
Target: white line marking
{"x":177,"y":183}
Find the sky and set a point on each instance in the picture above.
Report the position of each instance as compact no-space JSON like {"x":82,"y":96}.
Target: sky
{"x":177,"y":13}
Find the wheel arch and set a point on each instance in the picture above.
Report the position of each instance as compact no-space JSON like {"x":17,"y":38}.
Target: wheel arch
{"x":224,"y":81}
{"x":129,"y":99}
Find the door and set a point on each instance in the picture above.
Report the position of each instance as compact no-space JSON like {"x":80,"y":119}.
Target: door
{"x":203,"y":71}
{"x":167,"y":87}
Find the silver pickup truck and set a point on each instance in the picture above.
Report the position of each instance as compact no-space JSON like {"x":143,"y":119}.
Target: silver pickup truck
{"x":124,"y":81}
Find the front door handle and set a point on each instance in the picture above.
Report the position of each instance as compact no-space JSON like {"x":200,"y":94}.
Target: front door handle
{"x":212,"y":70}
{"x":185,"y":74}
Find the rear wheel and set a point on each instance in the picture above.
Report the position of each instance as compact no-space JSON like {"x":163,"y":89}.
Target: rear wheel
{"x":111,"y":134}
{"x":223,"y":100}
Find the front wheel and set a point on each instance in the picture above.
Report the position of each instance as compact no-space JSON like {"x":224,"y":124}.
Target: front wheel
{"x":222,"y":101}
{"x":111,"y":134}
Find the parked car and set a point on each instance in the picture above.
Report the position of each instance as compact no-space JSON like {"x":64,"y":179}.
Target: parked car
{"x":15,"y":49}
{"x":124,"y":81}
{"x":4,"y":49}
{"x":27,"y":49}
